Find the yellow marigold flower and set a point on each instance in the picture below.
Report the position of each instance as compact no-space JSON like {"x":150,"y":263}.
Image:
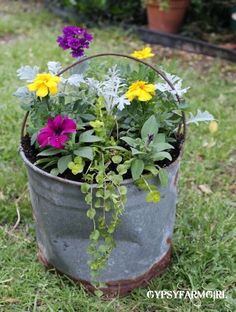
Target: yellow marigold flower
{"x":141,"y":90}
{"x":44,"y":84}
{"x":143,"y":54}
{"x":213,"y":126}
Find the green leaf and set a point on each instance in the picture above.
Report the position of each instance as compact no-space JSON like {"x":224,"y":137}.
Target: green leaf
{"x":119,"y":148}
{"x":54,"y":171}
{"x":142,"y":185}
{"x":116,"y":159}
{"x":85,"y":187}
{"x":161,"y":156}
{"x":129,"y":141}
{"x":50,"y":152}
{"x":85,"y":152}
{"x":116,"y":178}
{"x":88,"y":117}
{"x":88,"y":198}
{"x":122,"y":169}
{"x":152,"y":169}
{"x":63,"y":163}
{"x":91,"y":213}
{"x":98,"y":204}
{"x":159,"y":138}
{"x":98,"y":293}
{"x":159,"y":147}
{"x":33,"y":138}
{"x":153,"y":197}
{"x":137,"y":167}
{"x":150,"y":127}
{"x":50,"y":163}
{"x":99,"y":178}
{"x":163,"y":176}
{"x":100,"y":193}
{"x":45,"y":160}
{"x":94,"y":235}
{"x":123,"y":190}
{"x":135,"y":151}
{"x":87,"y":137}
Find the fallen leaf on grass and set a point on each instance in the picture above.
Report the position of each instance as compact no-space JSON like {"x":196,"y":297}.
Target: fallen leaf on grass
{"x":232,"y":188}
{"x":9,"y":300}
{"x":213,"y":126}
{"x":204,"y":188}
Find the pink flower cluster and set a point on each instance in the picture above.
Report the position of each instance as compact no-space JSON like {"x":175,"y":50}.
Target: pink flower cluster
{"x":55,"y":134}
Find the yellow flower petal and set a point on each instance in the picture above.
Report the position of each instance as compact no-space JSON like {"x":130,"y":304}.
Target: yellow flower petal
{"x":141,"y":90}
{"x":144,"y":96}
{"x":44,"y":83}
{"x":32,"y":87}
{"x":130,"y":95}
{"x":56,"y":79}
{"x":53,"y":90}
{"x":42,"y":91}
{"x":50,"y":83}
{"x":150,"y":88}
{"x":143,"y":54}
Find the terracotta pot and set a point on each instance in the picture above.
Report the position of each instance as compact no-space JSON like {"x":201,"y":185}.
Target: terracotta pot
{"x":169,"y":20}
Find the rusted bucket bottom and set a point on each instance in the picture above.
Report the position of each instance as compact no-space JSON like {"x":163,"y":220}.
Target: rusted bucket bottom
{"x":122,"y":287}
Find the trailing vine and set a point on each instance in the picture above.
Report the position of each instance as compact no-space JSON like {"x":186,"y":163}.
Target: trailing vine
{"x":107,"y":201}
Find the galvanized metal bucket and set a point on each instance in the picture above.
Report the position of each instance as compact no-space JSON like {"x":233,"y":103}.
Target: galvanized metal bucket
{"x":143,"y":238}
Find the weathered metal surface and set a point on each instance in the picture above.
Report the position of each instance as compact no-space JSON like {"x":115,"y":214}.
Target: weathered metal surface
{"x":62,"y":228}
{"x":122,"y":287}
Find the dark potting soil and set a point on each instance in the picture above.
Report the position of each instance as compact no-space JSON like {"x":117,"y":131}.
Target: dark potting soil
{"x":31,"y":154}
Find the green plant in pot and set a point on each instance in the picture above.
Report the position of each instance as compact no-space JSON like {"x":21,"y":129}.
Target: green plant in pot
{"x":102,"y":149}
{"x":166,"y":15}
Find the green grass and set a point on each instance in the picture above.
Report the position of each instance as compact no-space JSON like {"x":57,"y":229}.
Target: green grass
{"x":203,"y":241}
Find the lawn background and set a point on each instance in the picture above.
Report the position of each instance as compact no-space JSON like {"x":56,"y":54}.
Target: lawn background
{"x":203,"y":243}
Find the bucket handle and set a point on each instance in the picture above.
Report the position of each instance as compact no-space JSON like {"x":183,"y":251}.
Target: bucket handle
{"x":158,"y":71}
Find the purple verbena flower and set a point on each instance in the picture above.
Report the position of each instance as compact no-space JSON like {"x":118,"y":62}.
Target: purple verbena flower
{"x":56,"y":132}
{"x":75,"y":38}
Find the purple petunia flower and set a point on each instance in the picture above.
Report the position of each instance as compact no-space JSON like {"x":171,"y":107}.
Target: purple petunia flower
{"x":56,"y":132}
{"x":75,"y":38}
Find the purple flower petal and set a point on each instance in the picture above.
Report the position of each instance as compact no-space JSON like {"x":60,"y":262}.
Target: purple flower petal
{"x":58,"y":141}
{"x":56,"y":132}
{"x":75,"y":38}
{"x":43,"y":136}
{"x":58,"y":120}
{"x":68,"y":125}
